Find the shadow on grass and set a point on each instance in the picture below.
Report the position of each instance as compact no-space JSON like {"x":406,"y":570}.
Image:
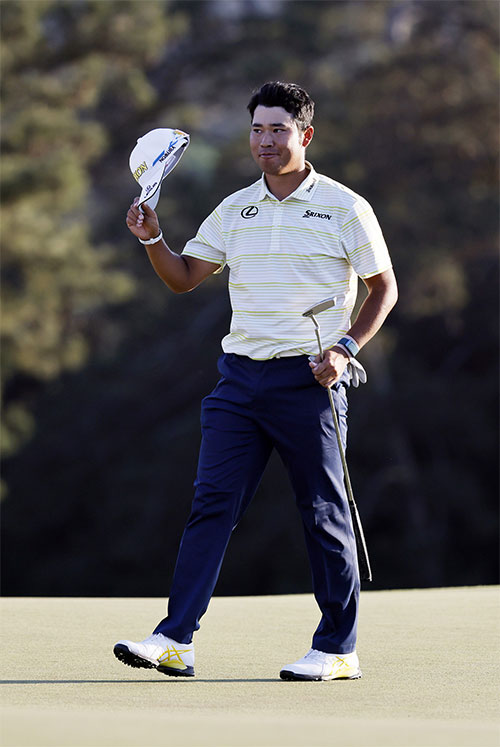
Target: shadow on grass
{"x":130,"y":682}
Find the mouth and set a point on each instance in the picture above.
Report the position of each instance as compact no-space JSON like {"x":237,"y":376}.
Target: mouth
{"x":268,"y":155}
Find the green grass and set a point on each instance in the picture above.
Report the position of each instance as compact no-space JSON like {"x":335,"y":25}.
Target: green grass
{"x":430,"y":660}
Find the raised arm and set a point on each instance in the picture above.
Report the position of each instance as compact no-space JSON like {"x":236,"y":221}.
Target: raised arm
{"x":180,"y":274}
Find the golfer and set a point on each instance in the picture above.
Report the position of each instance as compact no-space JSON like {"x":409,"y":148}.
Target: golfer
{"x":291,"y":239}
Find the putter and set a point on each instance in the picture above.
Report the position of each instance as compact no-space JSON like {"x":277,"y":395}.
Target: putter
{"x":365,"y":571}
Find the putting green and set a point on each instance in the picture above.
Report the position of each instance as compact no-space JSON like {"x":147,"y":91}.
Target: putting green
{"x":430,"y":660}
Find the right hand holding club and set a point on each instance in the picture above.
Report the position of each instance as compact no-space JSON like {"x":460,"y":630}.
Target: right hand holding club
{"x":328,"y":370}
{"x":356,"y":371}
{"x":142,"y":221}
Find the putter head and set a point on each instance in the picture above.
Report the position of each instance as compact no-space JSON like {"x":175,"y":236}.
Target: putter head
{"x":328,"y":303}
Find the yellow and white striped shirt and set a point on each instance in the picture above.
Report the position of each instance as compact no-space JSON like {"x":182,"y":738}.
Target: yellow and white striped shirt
{"x":284,"y":256}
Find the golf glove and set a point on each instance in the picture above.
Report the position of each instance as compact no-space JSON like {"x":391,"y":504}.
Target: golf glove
{"x":355,"y":370}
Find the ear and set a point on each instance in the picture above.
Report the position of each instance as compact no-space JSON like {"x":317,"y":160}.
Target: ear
{"x":307,"y":136}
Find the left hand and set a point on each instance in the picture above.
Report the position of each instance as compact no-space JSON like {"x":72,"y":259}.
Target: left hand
{"x":330,"y":369}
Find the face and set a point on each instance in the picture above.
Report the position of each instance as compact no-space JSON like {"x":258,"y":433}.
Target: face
{"x":276,"y":143}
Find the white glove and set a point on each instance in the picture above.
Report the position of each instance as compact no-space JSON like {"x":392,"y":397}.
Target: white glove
{"x":356,"y":372}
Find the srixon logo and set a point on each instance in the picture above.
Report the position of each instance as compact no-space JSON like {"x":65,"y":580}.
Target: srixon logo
{"x":140,"y":170}
{"x":312,"y":214}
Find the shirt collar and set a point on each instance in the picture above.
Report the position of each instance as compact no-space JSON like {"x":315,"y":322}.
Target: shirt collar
{"x":304,"y":191}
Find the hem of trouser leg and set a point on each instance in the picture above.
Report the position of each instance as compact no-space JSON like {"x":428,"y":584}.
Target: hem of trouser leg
{"x":173,"y":637}
{"x":324,"y":650}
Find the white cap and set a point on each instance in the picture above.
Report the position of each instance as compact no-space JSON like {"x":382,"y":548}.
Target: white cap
{"x":153,"y":158}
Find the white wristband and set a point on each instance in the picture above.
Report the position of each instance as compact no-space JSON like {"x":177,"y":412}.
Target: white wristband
{"x":152,"y":241}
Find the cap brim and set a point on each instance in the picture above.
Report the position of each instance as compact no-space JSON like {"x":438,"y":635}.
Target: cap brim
{"x":148,"y":199}
{"x":153,"y":201}
{"x":151,"y":193}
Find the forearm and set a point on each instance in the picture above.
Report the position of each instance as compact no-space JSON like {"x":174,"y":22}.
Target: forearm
{"x":172,"y":268}
{"x":177,"y":272}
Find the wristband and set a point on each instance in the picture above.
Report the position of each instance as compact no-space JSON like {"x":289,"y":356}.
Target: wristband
{"x":152,"y":241}
{"x":349,"y":344}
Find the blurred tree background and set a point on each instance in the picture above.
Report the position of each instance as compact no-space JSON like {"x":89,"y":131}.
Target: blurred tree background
{"x":104,"y":369}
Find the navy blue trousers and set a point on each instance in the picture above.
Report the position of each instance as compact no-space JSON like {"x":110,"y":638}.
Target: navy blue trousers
{"x":255,"y":407}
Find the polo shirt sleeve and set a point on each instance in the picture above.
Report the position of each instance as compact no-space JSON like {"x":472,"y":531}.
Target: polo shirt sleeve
{"x":208,"y":244}
{"x":363,"y":242}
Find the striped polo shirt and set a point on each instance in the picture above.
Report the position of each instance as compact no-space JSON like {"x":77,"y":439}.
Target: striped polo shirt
{"x":284,"y":256}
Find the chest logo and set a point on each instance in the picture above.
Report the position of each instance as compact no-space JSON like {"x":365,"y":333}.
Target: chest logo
{"x":312,"y":214}
{"x":250,"y":211}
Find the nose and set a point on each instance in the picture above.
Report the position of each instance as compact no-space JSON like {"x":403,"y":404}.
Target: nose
{"x":267,"y":138}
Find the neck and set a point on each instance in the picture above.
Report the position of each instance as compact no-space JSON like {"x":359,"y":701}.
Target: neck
{"x":282,"y":185}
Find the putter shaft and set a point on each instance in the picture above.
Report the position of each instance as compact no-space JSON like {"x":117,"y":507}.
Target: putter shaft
{"x":363,"y":559}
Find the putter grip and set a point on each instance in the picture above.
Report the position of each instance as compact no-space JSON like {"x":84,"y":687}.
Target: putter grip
{"x":365,"y":572}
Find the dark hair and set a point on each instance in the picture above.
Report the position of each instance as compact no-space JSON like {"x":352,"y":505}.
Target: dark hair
{"x":289,"y":96}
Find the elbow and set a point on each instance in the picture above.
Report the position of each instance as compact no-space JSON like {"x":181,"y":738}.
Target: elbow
{"x":390,"y":292}
{"x":387,"y":298}
{"x":171,"y":284}
{"x":177,"y":289}
{"x":383,"y":289}
{"x":392,"y":296}
{"x":185,"y":286}
{"x":185,"y":281}
{"x":177,"y":285}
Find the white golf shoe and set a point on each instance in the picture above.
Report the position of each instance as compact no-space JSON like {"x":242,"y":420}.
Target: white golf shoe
{"x":158,"y":652}
{"x":318,"y":665}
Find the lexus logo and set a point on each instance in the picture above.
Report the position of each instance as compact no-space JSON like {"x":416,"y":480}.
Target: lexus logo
{"x":249,"y":212}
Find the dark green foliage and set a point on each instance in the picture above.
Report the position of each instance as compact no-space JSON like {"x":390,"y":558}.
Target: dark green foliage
{"x":103,"y":368}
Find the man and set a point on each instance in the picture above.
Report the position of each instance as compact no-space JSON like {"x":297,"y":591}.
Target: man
{"x":290,"y":240}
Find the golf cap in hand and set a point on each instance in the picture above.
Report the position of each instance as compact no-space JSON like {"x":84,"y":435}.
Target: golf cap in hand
{"x":153,"y":158}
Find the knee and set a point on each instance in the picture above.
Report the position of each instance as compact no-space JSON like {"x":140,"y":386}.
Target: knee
{"x":213,"y":503}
